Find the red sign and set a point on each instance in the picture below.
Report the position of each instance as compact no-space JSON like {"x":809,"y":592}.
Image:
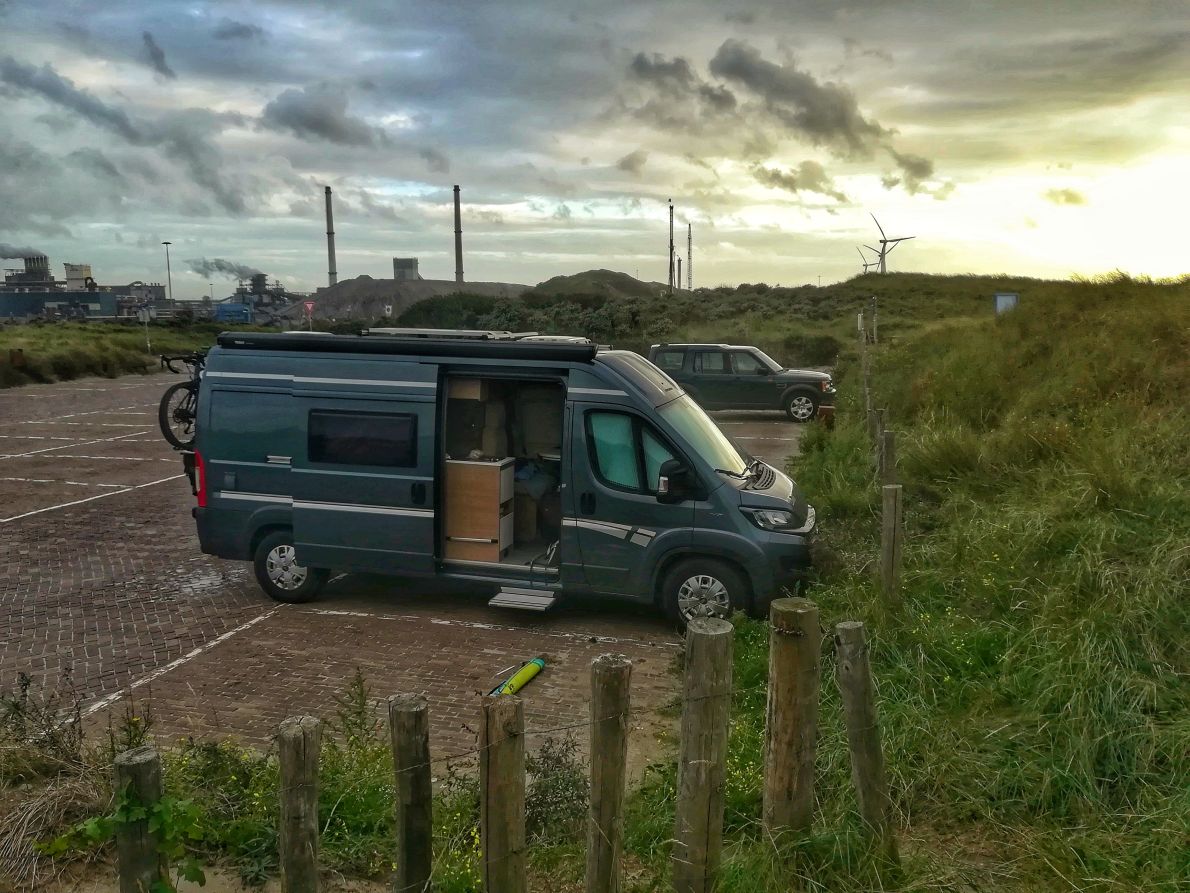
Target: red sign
{"x":309,"y":307}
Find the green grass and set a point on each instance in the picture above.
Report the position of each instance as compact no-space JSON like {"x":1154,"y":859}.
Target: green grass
{"x":1033,"y":691}
{"x":64,"y":351}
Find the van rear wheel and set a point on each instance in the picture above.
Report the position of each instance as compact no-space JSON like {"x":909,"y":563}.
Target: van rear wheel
{"x":703,"y":587}
{"x":279,"y":574}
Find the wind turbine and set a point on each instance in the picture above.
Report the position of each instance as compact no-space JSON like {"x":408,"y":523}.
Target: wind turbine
{"x":886,"y":245}
{"x":868,"y":264}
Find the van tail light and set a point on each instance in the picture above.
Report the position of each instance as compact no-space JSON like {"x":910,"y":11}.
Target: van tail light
{"x":200,"y":490}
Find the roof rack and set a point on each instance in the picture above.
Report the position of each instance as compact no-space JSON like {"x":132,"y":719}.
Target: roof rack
{"x":446,"y":344}
{"x":443,"y":334}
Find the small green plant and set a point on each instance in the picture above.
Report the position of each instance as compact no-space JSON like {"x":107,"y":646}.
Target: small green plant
{"x":174,"y":822}
{"x":557,"y":794}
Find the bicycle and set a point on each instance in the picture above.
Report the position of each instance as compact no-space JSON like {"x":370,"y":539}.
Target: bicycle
{"x":179,"y":405}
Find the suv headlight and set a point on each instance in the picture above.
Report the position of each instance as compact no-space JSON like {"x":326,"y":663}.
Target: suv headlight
{"x":827,"y":384}
{"x":780,"y":521}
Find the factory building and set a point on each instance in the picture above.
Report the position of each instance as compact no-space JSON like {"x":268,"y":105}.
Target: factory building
{"x":31,"y":291}
{"x":405,"y":269}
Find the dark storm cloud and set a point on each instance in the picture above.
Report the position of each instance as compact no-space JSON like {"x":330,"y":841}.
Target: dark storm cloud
{"x":435,"y":160}
{"x":320,"y":112}
{"x":217,"y":266}
{"x":915,"y":170}
{"x":824,"y":113}
{"x":809,"y":176}
{"x":46,"y":82}
{"x":633,"y":162}
{"x":94,"y":160}
{"x":156,"y":57}
{"x":1065,"y":197}
{"x":230,"y":29}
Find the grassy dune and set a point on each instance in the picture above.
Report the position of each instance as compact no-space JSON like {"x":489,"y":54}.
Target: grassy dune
{"x":1034,"y":693}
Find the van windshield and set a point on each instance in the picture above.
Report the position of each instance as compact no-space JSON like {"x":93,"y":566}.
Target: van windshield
{"x":703,"y":435}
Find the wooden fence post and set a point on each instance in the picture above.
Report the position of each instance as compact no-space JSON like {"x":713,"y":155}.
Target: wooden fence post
{"x":791,"y":722}
{"x":502,"y":794}
{"x":867,"y":371}
{"x":409,"y":730}
{"x":298,"y":744}
{"x":891,"y":533}
{"x":142,"y":867}
{"x":875,"y":323}
{"x":706,"y":708}
{"x":887,"y":466}
{"x":611,"y":676}
{"x":863,"y":734}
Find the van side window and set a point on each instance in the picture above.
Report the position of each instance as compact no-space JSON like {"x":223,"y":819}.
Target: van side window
{"x":711,"y":362}
{"x":363,"y":438}
{"x":671,"y":360}
{"x":626,"y":453}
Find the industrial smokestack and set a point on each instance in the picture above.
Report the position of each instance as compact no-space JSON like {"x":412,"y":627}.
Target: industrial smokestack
{"x":458,"y":239}
{"x":332,"y":274}
{"x":671,"y":246}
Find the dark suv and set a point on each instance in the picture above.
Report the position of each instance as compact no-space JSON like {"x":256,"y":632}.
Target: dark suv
{"x":730,"y":376}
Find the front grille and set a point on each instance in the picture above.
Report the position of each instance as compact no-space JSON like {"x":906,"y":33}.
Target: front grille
{"x":764,"y":478}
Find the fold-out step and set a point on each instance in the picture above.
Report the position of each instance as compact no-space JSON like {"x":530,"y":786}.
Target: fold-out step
{"x":524,"y":599}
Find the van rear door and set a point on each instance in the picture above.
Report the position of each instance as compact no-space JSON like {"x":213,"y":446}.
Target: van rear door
{"x":364,"y":476}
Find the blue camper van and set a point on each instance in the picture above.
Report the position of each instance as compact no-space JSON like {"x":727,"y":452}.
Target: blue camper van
{"x":533,"y":464}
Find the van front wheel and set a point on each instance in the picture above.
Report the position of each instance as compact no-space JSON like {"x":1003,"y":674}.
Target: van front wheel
{"x":702,"y":587}
{"x":279,"y":574}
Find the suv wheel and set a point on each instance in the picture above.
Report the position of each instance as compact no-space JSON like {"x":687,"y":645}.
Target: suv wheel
{"x":702,"y":587}
{"x":801,"y":406}
{"x":279,"y":574}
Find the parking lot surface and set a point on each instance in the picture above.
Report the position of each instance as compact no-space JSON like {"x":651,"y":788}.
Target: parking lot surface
{"x":103,"y":587}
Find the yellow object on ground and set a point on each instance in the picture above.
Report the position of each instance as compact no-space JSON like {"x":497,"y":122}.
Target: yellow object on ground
{"x":520,"y":678}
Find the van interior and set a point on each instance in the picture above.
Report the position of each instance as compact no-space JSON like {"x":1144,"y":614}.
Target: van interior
{"x":503,"y":470}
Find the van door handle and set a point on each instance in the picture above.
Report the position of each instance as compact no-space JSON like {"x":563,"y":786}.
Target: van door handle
{"x":418,"y":493}
{"x":586,"y":503}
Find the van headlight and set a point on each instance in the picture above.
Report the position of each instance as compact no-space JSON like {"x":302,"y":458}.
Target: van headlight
{"x":780,"y":521}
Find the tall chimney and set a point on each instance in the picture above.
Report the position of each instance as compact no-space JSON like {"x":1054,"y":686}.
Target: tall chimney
{"x":671,"y":246}
{"x":689,"y":257}
{"x":458,"y":239}
{"x":332,"y":275}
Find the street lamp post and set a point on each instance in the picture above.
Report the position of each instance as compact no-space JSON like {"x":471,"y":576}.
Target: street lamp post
{"x":169,"y":279}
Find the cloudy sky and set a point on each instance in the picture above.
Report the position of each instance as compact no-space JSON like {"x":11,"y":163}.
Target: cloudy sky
{"x":1044,"y":138}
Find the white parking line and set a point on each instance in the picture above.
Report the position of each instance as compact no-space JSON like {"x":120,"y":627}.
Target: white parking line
{"x":67,"y":446}
{"x":471,"y":624}
{"x":35,"y":437}
{"x":106,"y":700}
{"x":89,"y":424}
{"x":90,"y":498}
{"x":58,"y":481}
{"x":119,"y":458}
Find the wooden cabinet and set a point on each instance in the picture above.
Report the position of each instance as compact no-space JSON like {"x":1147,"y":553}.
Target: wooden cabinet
{"x":478,"y":498}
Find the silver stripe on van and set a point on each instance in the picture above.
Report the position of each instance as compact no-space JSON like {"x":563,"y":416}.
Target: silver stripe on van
{"x":297,"y":379}
{"x":371,"y":381}
{"x":599,"y":392}
{"x":255,"y":497}
{"x":365,"y":509}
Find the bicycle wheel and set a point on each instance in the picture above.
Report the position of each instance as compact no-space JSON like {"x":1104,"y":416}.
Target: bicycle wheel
{"x":177,"y":414}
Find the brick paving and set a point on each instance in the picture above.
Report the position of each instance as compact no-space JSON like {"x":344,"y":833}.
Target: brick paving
{"x":101,"y":577}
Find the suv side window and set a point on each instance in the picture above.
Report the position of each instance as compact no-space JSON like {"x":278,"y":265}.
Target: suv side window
{"x":625,"y":452}
{"x":747,"y":363}
{"x":711,"y":362}
{"x":671,"y":360}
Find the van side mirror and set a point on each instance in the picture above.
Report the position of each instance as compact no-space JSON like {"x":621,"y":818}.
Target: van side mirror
{"x":673,"y":481}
